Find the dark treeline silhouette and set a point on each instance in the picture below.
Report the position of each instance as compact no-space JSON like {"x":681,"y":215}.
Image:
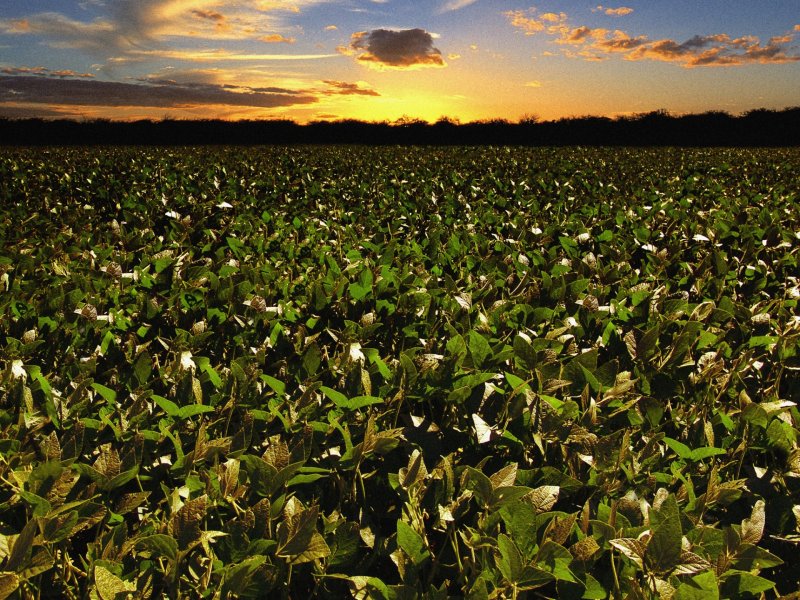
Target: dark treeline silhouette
{"x":759,"y":127}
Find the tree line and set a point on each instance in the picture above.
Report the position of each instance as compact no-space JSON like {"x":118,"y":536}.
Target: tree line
{"x":760,"y":127}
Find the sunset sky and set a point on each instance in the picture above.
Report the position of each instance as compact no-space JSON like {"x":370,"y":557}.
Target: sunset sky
{"x":383,"y":59}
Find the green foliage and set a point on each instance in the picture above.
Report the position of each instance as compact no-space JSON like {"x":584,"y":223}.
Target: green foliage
{"x":398,"y":373}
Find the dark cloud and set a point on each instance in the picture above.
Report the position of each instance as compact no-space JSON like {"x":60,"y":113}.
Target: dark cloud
{"x":163,"y":94}
{"x":45,"y":72}
{"x":208,"y":15}
{"x":31,"y":112}
{"x":716,"y":50}
{"x":395,"y":49}
{"x":343,"y":88}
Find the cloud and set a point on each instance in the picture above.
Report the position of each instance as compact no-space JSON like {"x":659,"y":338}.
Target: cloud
{"x":403,"y":49}
{"x":12,"y":111}
{"x":148,"y":24}
{"x":457,"y":4}
{"x":45,"y":72}
{"x":277,"y":38}
{"x":343,"y":88}
{"x":527,"y":21}
{"x":613,"y":12}
{"x":154,"y":94}
{"x":208,"y":15}
{"x":99,"y":35}
{"x":595,"y":44}
{"x":331,"y":28}
{"x":206,"y":55}
{"x":533,"y":84}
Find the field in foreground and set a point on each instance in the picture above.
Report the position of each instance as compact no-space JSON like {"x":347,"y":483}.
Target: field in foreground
{"x":399,"y":372}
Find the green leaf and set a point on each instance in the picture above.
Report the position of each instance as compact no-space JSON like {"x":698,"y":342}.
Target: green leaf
{"x":238,"y":577}
{"x":59,"y":528}
{"x":700,"y":587}
{"x":108,"y":394}
{"x":191,"y":410}
{"x":142,"y":368}
{"x":479,"y":349}
{"x":411,"y":543}
{"x":369,"y":588}
{"x":277,"y":385}
{"x":509,"y":560}
{"x":168,"y":406}
{"x":706,"y":452}
{"x":23,"y":546}
{"x":749,"y":557}
{"x":692,"y":455}
{"x":314,"y":550}
{"x":664,"y":547}
{"x":345,"y":545}
{"x":735,"y":584}
{"x":479,"y":484}
{"x":679,"y":448}
{"x":159,"y":544}
{"x":763,"y":341}
{"x":594,"y":589}
{"x":337,"y":398}
{"x":354,"y":403}
{"x":296,"y":531}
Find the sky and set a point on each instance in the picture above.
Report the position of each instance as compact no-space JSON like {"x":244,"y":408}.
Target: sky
{"x":376,"y":60}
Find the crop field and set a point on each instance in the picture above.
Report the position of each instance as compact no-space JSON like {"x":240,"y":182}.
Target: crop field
{"x":384,"y":372}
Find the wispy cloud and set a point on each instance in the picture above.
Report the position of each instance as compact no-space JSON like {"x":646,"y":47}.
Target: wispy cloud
{"x":599,"y":43}
{"x":217,"y":55}
{"x":389,"y":49}
{"x":613,"y":12}
{"x":456,"y":5}
{"x":147,"y":24}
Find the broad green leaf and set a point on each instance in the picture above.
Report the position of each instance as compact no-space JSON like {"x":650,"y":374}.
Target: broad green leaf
{"x":479,"y":349}
{"x":700,"y":587}
{"x":160,"y":544}
{"x":411,"y":543}
{"x":735,"y":584}
{"x":296,"y":531}
{"x":238,"y":577}
{"x":509,"y":559}
{"x":23,"y":546}
{"x":664,"y":546}
{"x":749,"y":557}
{"x":316,"y":549}
{"x":479,"y":484}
